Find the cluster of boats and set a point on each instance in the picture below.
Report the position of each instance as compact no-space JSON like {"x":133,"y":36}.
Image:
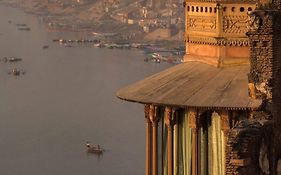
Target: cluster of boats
{"x":154,"y":53}
{"x":158,"y":58}
{"x":102,"y":44}
{"x":13,"y":71}
{"x":23,"y":27}
{"x":76,"y":41}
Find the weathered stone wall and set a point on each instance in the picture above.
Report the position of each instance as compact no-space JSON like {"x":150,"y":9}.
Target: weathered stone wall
{"x":261,"y":54}
{"x":276,"y":93}
{"x":276,"y":96}
{"x":265,"y":59}
{"x":254,"y":148}
{"x":247,"y":148}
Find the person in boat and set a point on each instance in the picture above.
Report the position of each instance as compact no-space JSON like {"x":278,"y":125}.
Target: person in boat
{"x":88,"y":145}
{"x":93,"y":149}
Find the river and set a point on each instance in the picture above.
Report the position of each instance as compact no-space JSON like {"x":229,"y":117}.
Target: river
{"x":65,"y":98}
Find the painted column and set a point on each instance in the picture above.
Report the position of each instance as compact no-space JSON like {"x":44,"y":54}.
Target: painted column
{"x":154,"y":118}
{"x":148,"y":141}
{"x":176,"y":143}
{"x":193,"y":124}
{"x":225,"y":127}
{"x":170,"y":120}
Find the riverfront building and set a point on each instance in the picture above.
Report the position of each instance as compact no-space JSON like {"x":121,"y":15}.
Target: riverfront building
{"x":218,"y":113}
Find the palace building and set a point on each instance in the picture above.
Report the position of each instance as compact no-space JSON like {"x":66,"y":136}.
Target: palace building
{"x":218,"y":113}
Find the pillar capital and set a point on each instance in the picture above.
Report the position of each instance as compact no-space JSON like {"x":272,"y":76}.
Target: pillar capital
{"x":146,"y":113}
{"x":170,"y":116}
{"x":219,"y":6}
{"x":225,"y":120}
{"x":193,"y":118}
{"x":153,"y":114}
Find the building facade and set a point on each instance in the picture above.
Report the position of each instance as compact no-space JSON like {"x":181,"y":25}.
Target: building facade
{"x":218,"y":113}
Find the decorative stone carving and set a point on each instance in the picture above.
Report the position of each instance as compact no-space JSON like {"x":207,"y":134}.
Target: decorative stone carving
{"x":254,"y":22}
{"x":218,"y":41}
{"x":202,"y":23}
{"x":225,"y":121}
{"x":260,"y":21}
{"x":146,"y":112}
{"x":192,"y":118}
{"x":240,"y":162}
{"x":235,"y":24}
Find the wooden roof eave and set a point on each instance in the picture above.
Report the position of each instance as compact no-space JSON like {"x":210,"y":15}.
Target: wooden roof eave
{"x":194,"y":85}
{"x":257,"y":107}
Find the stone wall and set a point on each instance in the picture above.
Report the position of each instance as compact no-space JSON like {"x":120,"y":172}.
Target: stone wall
{"x":276,"y":96}
{"x":254,"y":146}
{"x":276,"y":93}
{"x":247,"y":148}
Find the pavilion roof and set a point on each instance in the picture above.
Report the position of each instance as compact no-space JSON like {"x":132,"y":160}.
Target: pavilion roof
{"x":194,"y":84}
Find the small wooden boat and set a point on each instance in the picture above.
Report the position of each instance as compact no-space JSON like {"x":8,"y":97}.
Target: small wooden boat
{"x":21,"y":25}
{"x":94,"y":149}
{"x":16,"y":72}
{"x":45,"y":47}
{"x":24,"y":28}
{"x":11,"y":59}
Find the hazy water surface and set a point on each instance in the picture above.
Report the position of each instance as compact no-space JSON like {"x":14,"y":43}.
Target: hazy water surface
{"x":67,"y":97}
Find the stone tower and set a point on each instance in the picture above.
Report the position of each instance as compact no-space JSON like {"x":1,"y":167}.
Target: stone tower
{"x":215,"y":31}
{"x":265,"y":72}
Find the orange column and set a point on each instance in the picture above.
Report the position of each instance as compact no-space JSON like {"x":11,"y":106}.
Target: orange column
{"x":225,"y":126}
{"x":194,"y":152}
{"x":154,"y":118}
{"x":225,"y":122}
{"x":170,"y":121}
{"x":193,"y":124}
{"x":148,"y":141}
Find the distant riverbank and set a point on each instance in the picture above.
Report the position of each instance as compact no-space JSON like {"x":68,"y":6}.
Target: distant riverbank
{"x":70,"y":18}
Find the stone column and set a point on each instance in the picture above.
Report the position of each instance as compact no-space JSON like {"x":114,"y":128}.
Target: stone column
{"x":193,"y":124}
{"x":154,"y":118}
{"x":148,"y":141}
{"x":170,"y":120}
{"x":225,"y":123}
{"x":220,"y":34}
{"x":219,"y":9}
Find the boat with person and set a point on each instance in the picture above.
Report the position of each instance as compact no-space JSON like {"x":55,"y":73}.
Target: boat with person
{"x":94,"y":149}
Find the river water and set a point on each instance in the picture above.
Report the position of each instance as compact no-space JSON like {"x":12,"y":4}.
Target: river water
{"x":65,"y":98}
